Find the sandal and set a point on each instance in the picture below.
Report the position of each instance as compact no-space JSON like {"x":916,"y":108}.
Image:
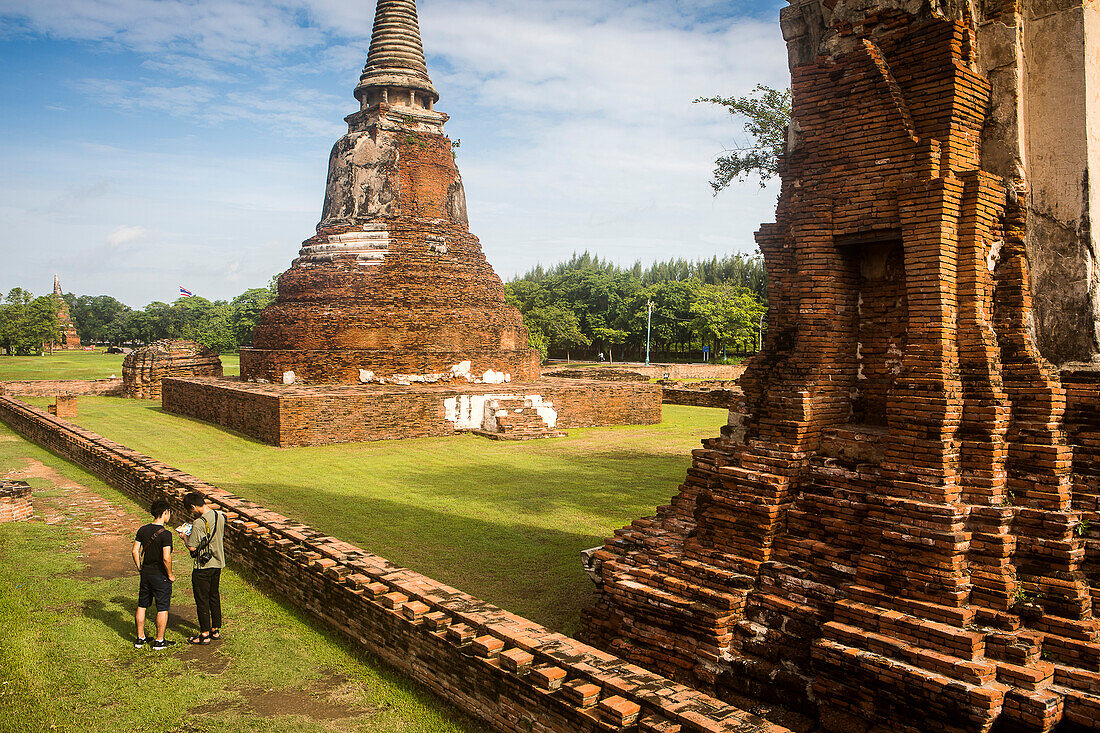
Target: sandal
{"x":215,"y":634}
{"x":200,"y":639}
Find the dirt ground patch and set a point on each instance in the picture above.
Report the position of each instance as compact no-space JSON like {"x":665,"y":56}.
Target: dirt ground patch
{"x":106,"y":556}
{"x":37,"y":469}
{"x":326,"y":699}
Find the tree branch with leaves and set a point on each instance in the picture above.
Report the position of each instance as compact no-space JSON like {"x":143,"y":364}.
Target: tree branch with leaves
{"x":767,"y":113}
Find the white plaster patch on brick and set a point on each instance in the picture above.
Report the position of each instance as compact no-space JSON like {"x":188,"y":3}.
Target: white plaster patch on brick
{"x":289,"y":377}
{"x":369,"y":246}
{"x":471,"y":412}
{"x":365,"y":375}
{"x":493,"y":377}
{"x":545,"y":409}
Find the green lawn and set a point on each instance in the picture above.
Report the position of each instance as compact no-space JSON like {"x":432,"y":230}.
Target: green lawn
{"x":67,"y":662}
{"x":80,"y":365}
{"x":503,"y":521}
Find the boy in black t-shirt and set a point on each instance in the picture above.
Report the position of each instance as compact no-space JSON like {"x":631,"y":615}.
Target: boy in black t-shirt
{"x":153,"y":556}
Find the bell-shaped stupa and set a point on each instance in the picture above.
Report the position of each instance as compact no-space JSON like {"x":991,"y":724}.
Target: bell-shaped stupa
{"x":393,"y":283}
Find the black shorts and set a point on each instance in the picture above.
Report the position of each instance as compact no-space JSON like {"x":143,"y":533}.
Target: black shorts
{"x":155,"y":587}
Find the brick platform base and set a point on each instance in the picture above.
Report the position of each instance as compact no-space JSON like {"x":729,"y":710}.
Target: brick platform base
{"x":299,"y":415}
{"x":15,"y":501}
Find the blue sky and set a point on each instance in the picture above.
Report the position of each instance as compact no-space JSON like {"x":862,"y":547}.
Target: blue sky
{"x":148,"y":144}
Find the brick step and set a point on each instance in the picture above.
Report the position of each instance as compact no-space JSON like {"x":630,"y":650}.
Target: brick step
{"x":976,"y":673}
{"x":980,"y":703}
{"x":1071,"y":652}
{"x":968,"y":645}
{"x":1022,"y":648}
{"x":1080,"y":707}
{"x":1077,"y":679}
{"x":952,"y":615}
{"x":678,"y":591}
{"x":1034,"y":677}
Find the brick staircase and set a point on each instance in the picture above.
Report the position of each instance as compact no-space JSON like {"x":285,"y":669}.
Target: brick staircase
{"x":516,"y":419}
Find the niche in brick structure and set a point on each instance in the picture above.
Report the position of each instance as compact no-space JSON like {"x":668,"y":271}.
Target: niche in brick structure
{"x":895,"y":533}
{"x":877,"y":269}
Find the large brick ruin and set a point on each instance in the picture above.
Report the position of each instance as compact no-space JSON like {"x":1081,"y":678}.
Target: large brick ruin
{"x":393,"y":296}
{"x":393,"y":282}
{"x":898,"y":532}
{"x":69,"y":339}
{"x":144,"y":370}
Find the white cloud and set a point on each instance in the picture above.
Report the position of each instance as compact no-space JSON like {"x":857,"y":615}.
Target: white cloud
{"x":124,"y":235}
{"x":576,"y":118}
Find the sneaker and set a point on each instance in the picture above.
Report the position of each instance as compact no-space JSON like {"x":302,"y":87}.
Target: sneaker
{"x":140,"y":642}
{"x":158,"y":645}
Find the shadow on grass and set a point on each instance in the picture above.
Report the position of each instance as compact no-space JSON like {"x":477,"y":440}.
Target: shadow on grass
{"x":119,"y":617}
{"x":533,"y":571}
{"x":614,"y":484}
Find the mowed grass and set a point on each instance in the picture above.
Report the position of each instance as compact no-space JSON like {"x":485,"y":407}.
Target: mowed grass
{"x":80,"y":365}
{"x":67,"y":661}
{"x":503,"y":521}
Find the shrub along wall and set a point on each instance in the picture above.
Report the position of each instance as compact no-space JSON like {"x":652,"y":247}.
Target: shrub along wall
{"x":515,"y":675}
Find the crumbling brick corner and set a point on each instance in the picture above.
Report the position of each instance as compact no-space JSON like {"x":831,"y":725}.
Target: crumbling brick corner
{"x":15,"y":501}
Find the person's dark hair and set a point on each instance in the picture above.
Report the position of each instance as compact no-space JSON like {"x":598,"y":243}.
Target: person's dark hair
{"x":194,"y":499}
{"x":160,"y":506}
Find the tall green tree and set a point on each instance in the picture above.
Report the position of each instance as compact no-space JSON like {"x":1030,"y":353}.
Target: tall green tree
{"x":767,"y":114}
{"x":245,"y":311}
{"x":725,"y":315}
{"x":27,"y":323}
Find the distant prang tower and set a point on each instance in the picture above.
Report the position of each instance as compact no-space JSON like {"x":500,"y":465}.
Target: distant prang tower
{"x":393,"y":282}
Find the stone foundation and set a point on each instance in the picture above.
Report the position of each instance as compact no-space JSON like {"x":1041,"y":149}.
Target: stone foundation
{"x":15,"y":501}
{"x":510,"y":673}
{"x":298,"y":415}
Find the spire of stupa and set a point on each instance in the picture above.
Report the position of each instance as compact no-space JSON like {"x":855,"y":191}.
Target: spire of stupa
{"x":57,"y":285}
{"x":396,"y":58}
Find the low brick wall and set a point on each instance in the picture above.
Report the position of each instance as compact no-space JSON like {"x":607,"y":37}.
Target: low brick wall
{"x":52,"y":387}
{"x":657,"y":371}
{"x":15,"y":501}
{"x":300,"y":415}
{"x":707,"y":394}
{"x":513,"y":674}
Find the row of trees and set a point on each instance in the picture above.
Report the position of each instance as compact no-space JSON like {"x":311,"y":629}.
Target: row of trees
{"x":27,"y":322}
{"x":588,"y":306}
{"x":220,"y":324}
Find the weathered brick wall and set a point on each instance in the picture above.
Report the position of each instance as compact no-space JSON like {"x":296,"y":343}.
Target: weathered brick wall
{"x":511,"y":673}
{"x":319,"y":415}
{"x":64,"y":406}
{"x":895,"y":535}
{"x":144,"y":369}
{"x":15,"y":501}
{"x":52,"y":387}
{"x":654,"y":371}
{"x":706,"y":394}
